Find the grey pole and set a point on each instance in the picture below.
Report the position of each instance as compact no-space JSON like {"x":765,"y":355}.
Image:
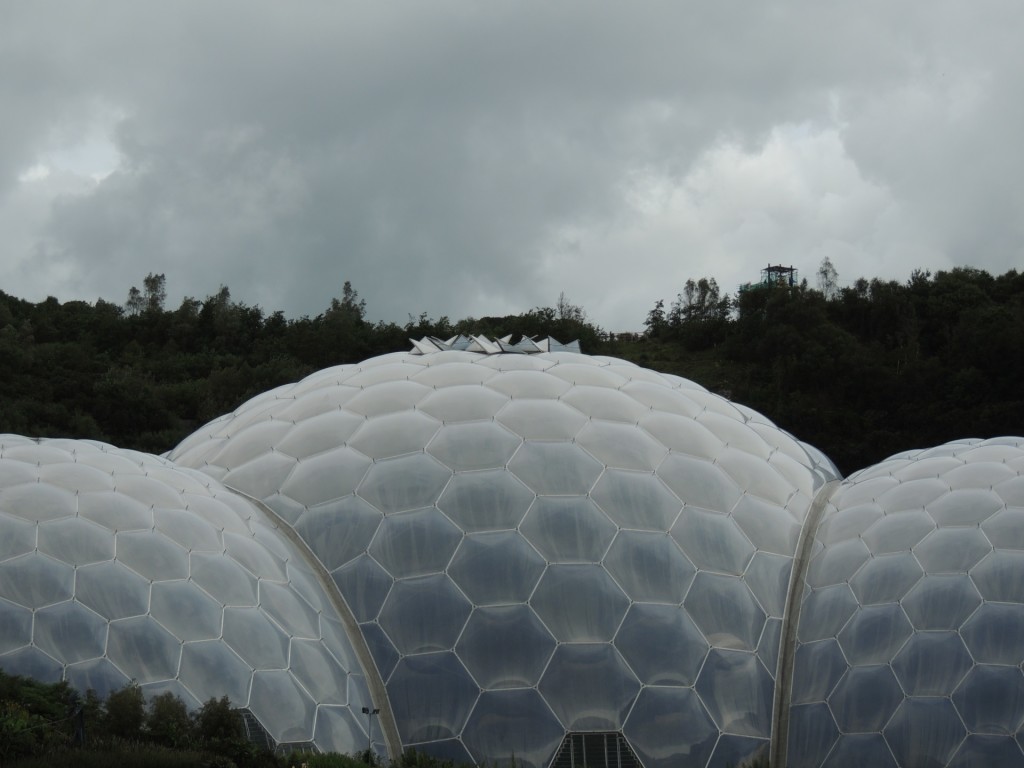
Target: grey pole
{"x":369,"y":732}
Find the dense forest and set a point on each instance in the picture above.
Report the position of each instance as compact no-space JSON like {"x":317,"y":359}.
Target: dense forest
{"x":861,"y":371}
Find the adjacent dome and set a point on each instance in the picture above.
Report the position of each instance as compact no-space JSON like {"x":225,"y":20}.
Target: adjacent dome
{"x":117,"y":566}
{"x":911,"y":632}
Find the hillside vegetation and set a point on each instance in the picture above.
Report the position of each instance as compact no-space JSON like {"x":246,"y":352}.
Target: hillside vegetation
{"x":861,"y":372}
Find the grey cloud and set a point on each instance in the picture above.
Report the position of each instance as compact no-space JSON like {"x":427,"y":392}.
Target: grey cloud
{"x":441,"y":156}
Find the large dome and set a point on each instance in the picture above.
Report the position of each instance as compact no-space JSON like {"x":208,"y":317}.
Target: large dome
{"x":540,"y":545}
{"x":117,"y":566}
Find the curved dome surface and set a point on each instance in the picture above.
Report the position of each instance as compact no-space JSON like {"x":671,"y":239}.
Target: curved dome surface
{"x":118,"y":566}
{"x":911,"y":632}
{"x":539,"y":545}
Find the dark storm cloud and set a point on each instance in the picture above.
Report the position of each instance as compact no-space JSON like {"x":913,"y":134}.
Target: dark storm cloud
{"x":463,"y":158}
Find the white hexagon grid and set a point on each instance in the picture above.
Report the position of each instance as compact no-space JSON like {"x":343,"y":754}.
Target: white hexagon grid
{"x":507,"y":548}
{"x":117,"y":566}
{"x":539,"y":544}
{"x":911,"y":635}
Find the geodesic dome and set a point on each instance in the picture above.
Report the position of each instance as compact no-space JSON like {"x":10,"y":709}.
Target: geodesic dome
{"x":117,"y":566}
{"x":539,"y":545}
{"x":911,"y":631}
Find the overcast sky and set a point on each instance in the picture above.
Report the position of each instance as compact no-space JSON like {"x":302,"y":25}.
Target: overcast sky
{"x":474,"y":158}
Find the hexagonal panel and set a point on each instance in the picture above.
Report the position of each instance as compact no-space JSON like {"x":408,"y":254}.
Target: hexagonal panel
{"x":152,"y":555}
{"x":856,"y":750}
{"x":187,"y":611}
{"x":263,"y":476}
{"x":98,"y":675}
{"x":699,"y":483}
{"x":474,"y":445}
{"x":384,"y":437}
{"x":70,"y":632}
{"x":381,"y":648}
{"x":825,"y":612}
{"x":812,"y":732}
{"x":661,"y":644}
{"x":725,"y":611}
{"x":579,"y":603}
{"x":38,"y":502}
{"x":865,"y":699}
{"x":76,"y":541}
{"x":282,"y":706}
{"x":325,"y":476}
{"x":991,"y":699}
{"x":255,"y":556}
{"x":505,"y":647}
{"x":897,"y":532}
{"x":431,"y":697}
{"x":114,"y":511}
{"x":496,"y":567}
{"x":941,"y":602}
{"x":817,"y":668}
{"x":636,"y":500}
{"x":622,"y":446}
{"x":294,"y":615}
{"x":602,"y":402}
{"x":386,"y":396}
{"x":318,"y":672}
{"x":924,"y":731}
{"x":987,"y":750}
{"x":365,"y":585}
{"x":875,"y":634}
{"x":737,"y":692}
{"x":836,"y":564}
{"x":568,"y":529}
{"x":513,"y":723}
{"x":649,"y":567}
{"x":466,"y":402}
{"x":15,"y":627}
{"x":588,"y":687}
{"x":998,"y":577}
{"x":769,"y":527}
{"x":712,"y":541}
{"x":541,"y":419}
{"x":485,"y":501}
{"x":669,"y":727}
{"x":255,"y":638}
{"x":849,"y":522}
{"x":210,"y":669}
{"x":886,"y":578}
{"x":424,"y":614}
{"x":17,"y":536}
{"x":35,"y":580}
{"x":143,"y":650}
{"x":224,"y":579}
{"x":415,"y":543}
{"x":554,"y":469}
{"x":931,"y":663}
{"x":995,"y":633}
{"x":404,"y":483}
{"x":969,"y":506}
{"x":952,"y":550}
{"x":339,"y":530}
{"x":1006,"y":528}
{"x":767,"y":577}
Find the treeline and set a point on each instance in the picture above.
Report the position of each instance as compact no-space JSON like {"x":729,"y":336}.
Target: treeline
{"x":142,"y":376}
{"x":51,"y":725}
{"x":861,"y":371}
